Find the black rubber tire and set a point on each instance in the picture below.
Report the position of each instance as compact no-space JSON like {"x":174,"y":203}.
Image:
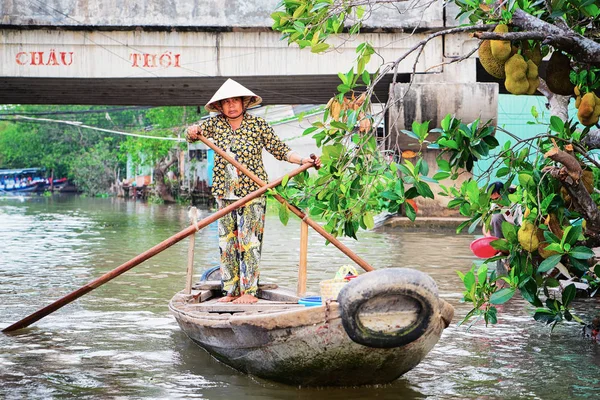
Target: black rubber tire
{"x":384,"y":282}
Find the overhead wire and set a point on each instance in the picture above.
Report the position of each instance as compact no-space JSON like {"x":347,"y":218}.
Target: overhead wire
{"x":19,"y":118}
{"x":92,"y":111}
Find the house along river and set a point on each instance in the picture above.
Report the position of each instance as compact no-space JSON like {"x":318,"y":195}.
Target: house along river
{"x":119,"y":341}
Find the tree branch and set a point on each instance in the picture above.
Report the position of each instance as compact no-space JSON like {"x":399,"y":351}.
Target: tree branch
{"x":569,"y":177}
{"x":583,"y":49}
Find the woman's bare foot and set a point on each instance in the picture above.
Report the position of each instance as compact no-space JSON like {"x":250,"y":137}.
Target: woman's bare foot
{"x":228,"y":299}
{"x":246,"y":299}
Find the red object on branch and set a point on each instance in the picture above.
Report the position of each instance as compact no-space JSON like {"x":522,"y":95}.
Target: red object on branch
{"x":482,"y":248}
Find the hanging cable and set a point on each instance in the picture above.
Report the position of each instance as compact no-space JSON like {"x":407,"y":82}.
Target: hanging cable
{"x":19,"y":118}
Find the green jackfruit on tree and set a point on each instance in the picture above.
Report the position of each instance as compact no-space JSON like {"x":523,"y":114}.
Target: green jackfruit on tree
{"x":588,"y":111}
{"x":532,"y":77}
{"x":527,"y":236}
{"x":557,"y":74}
{"x":493,"y":67}
{"x":516,"y":75}
{"x":501,"y":49}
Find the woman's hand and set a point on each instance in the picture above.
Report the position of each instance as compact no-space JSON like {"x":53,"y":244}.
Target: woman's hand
{"x":193,"y":133}
{"x":316,"y":161}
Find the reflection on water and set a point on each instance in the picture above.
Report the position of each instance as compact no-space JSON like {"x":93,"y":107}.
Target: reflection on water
{"x":120,"y":340}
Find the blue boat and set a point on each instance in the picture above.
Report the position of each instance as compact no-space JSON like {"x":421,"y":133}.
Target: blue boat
{"x":22,"y":180}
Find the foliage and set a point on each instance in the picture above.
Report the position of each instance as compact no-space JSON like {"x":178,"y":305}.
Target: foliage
{"x":93,"y":160}
{"x":361,"y":178}
{"x":96,"y":168}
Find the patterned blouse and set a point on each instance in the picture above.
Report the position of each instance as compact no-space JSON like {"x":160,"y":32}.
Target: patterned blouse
{"x":246,"y":143}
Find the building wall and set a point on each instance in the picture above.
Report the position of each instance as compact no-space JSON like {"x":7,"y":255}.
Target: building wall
{"x":193,"y":14}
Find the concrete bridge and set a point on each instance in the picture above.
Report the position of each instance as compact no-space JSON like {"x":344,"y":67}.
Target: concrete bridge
{"x":165,"y":52}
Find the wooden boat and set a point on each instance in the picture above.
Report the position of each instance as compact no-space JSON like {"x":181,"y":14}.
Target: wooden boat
{"x":28,"y":180}
{"x":19,"y":187}
{"x":383,"y":324}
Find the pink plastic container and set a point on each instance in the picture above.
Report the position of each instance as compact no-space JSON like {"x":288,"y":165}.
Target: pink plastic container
{"x":482,"y":248}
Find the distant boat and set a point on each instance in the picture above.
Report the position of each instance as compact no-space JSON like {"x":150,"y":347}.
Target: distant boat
{"x":28,"y":180}
{"x":19,"y":187}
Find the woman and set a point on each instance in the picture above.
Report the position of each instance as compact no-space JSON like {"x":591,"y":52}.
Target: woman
{"x":243,"y":137}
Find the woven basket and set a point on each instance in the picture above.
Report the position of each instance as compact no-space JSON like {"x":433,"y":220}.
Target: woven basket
{"x":330,"y":288}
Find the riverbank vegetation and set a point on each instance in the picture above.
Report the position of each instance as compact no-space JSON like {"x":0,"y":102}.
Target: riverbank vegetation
{"x":61,"y":140}
{"x":555,"y":174}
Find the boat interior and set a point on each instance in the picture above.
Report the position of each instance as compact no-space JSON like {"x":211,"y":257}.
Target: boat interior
{"x":205,"y":295}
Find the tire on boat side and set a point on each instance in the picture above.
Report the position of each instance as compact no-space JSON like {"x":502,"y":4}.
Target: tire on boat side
{"x":410,"y":283}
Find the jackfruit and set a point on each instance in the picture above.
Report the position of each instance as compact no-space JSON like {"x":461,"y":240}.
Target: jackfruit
{"x":516,"y":75}
{"x":557,"y":74}
{"x":493,"y":67}
{"x":588,"y":111}
{"x":527,"y":236}
{"x":532,"y":77}
{"x":532,"y":53}
{"x":501,"y":49}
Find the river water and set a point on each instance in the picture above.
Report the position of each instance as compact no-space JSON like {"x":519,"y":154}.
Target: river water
{"x":119,"y":341}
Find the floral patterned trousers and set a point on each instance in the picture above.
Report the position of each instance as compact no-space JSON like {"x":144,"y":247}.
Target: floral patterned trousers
{"x":240,"y":244}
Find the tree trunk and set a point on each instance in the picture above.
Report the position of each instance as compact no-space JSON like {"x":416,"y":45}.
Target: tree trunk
{"x":160,"y":172}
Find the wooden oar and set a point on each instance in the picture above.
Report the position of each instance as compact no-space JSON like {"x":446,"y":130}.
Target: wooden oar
{"x":353,"y":256}
{"x":36,"y":316}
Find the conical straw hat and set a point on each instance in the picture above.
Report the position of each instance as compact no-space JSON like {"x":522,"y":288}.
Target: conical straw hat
{"x":233,"y":89}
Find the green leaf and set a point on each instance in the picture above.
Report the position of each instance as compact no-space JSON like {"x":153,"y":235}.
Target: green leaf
{"x":469,"y":280}
{"x":424,"y":167}
{"x":525,"y":179}
{"x":549,"y":263}
{"x":502,"y":296}
{"x":284,"y":180}
{"x":543,"y":315}
{"x":410,"y":211}
{"x":500,"y":244}
{"x":424,"y":189}
{"x":571,"y":235}
{"x":284,"y":213}
{"x":568,"y":294}
{"x":557,"y":124}
{"x":546,"y":202}
{"x":410,"y":134}
{"x":368,"y":220}
{"x":581,"y":253}
{"x":319,"y":47}
{"x":441,"y":175}
{"x":366,"y":78}
{"x":443,"y":165}
{"x":502,"y":172}
{"x":529,"y":292}
{"x":343,"y":88}
{"x":482,"y":273}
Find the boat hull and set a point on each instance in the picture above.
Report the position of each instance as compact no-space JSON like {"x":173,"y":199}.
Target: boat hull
{"x":306,"y":346}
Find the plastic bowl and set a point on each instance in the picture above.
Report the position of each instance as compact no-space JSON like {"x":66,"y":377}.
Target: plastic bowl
{"x":482,"y":248}
{"x":310,"y":301}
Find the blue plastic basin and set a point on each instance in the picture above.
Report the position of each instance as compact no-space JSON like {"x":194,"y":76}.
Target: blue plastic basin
{"x":310,"y":301}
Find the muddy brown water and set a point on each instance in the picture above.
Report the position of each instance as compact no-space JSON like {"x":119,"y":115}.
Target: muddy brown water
{"x":119,"y":341}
